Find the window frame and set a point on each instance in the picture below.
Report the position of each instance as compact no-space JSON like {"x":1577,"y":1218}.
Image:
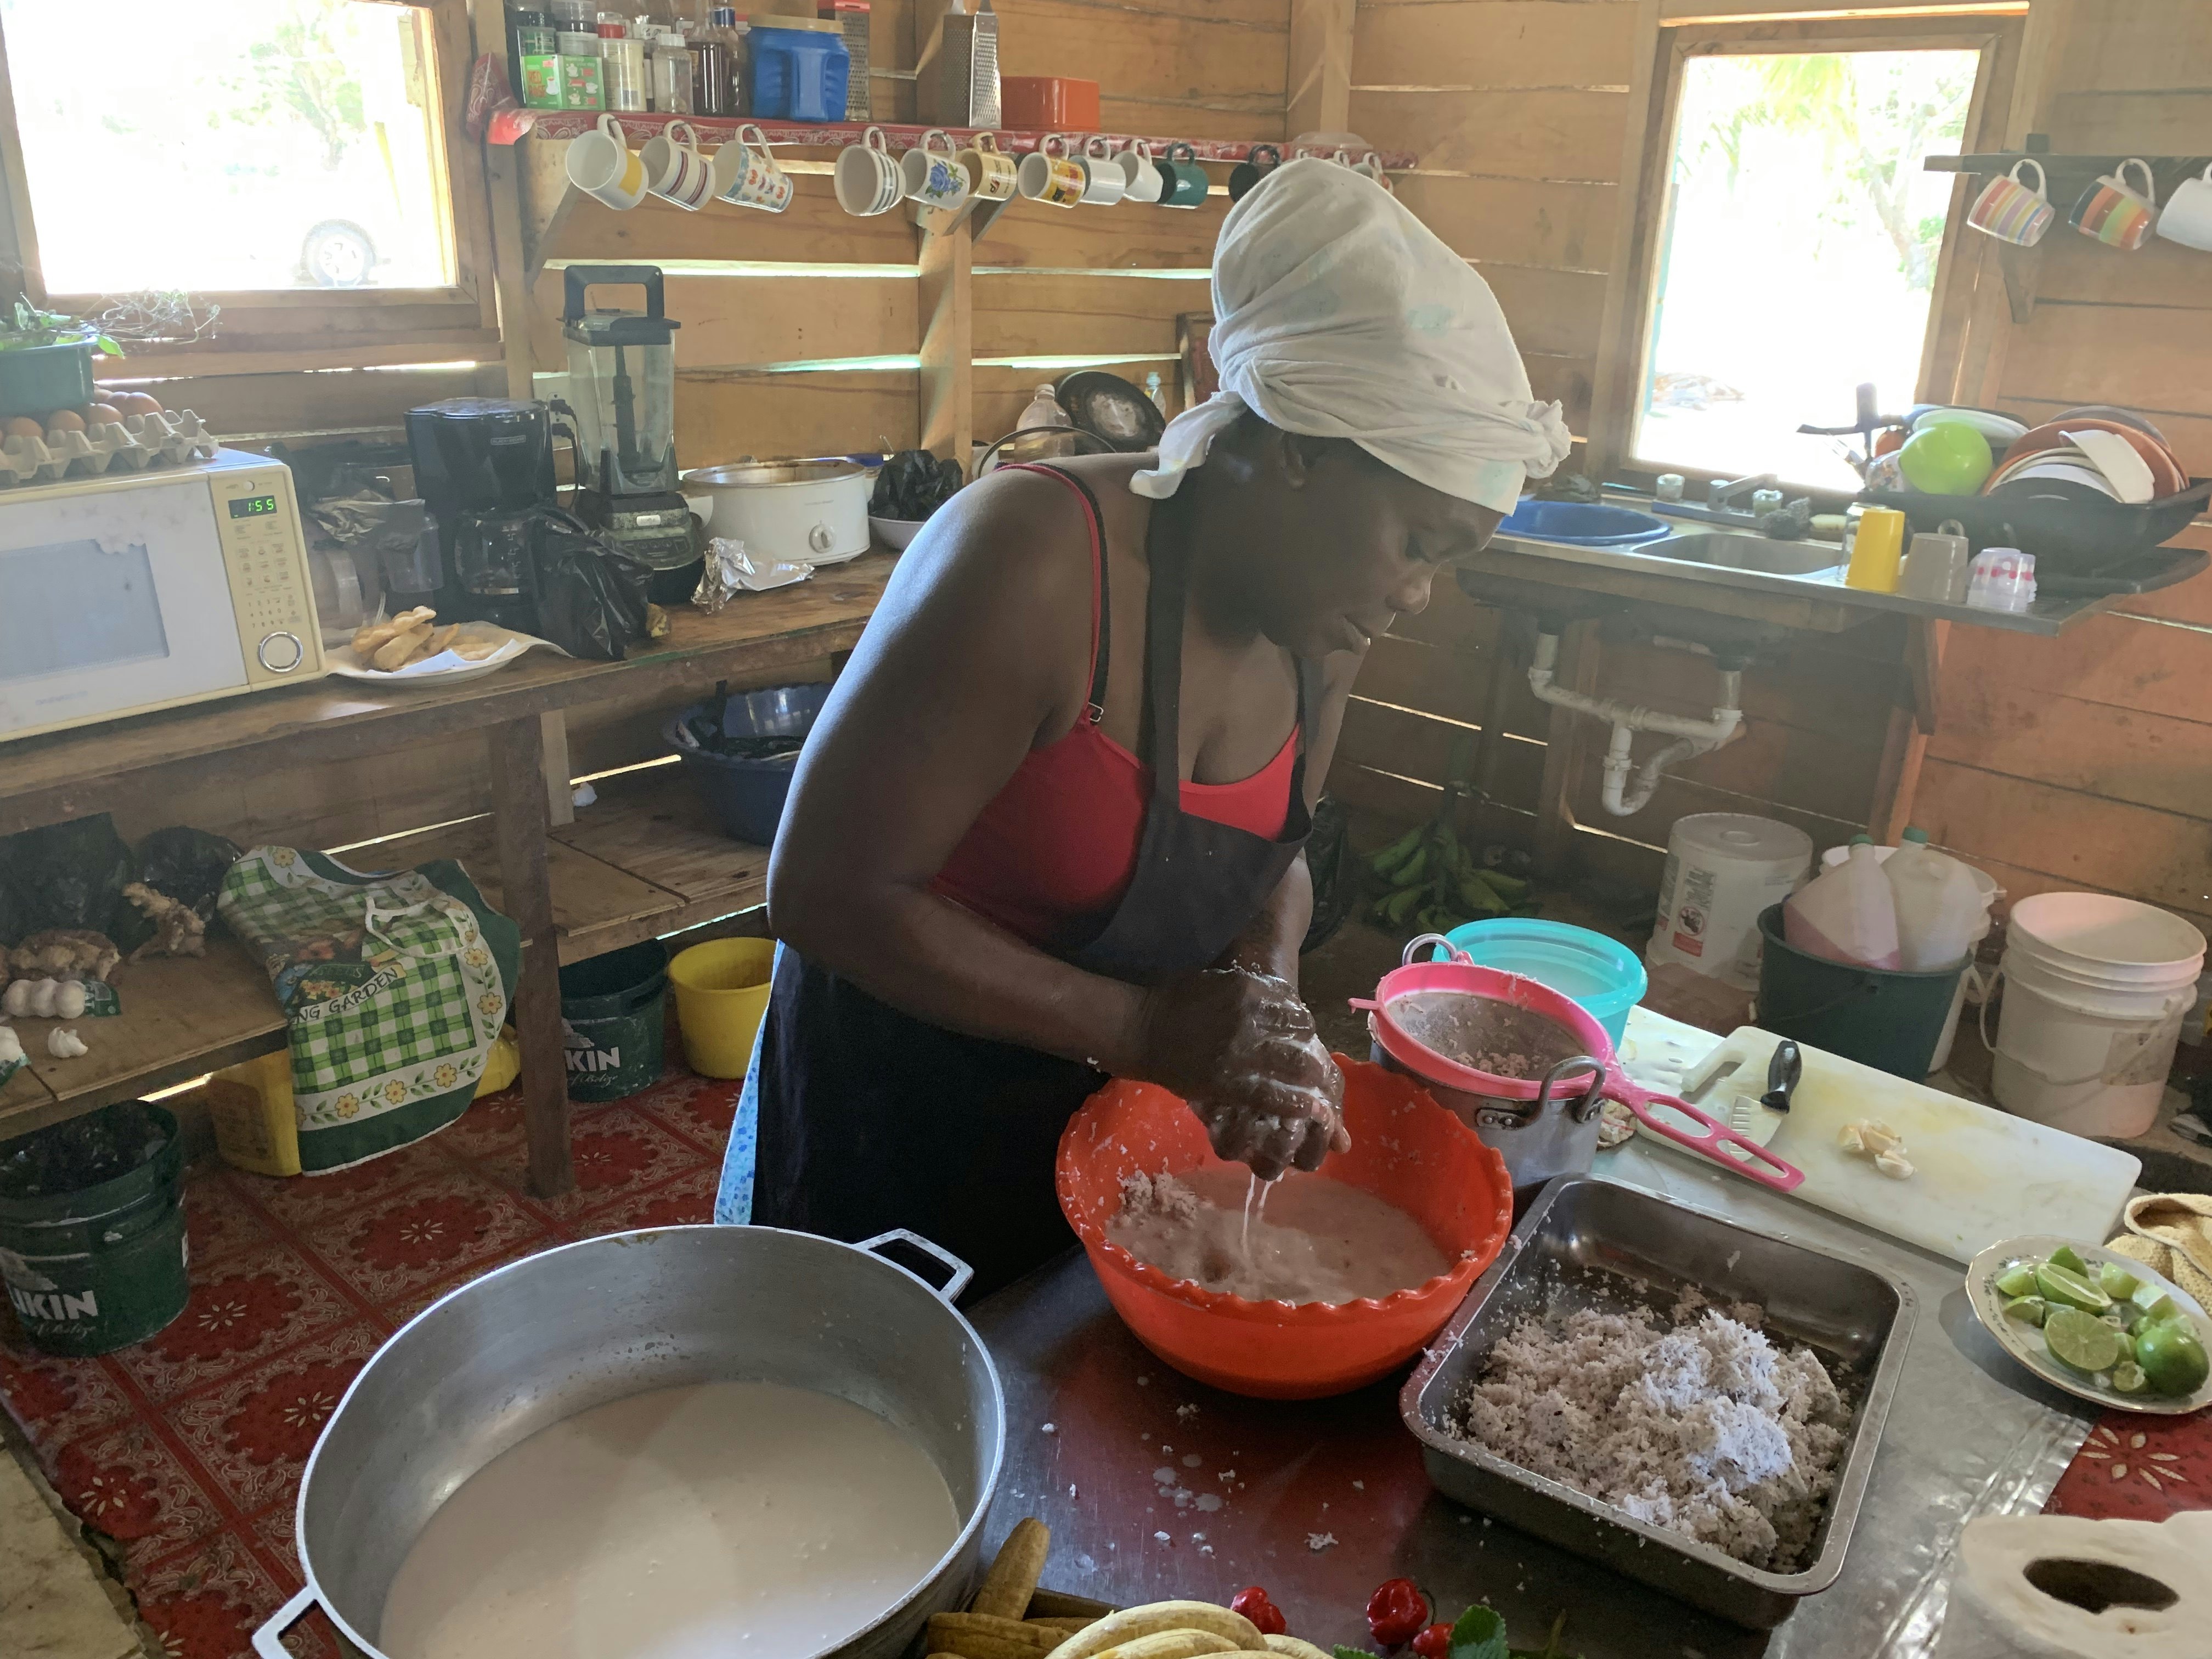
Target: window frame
{"x":278,"y":328}
{"x":1995,"y":37}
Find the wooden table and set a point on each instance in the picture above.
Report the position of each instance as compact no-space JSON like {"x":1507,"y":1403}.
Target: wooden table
{"x":644,"y":861}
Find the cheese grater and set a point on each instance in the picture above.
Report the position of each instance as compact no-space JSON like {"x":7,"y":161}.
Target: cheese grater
{"x":957,"y":83}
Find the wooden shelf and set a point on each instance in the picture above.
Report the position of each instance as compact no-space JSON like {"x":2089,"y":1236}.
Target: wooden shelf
{"x":646,"y":860}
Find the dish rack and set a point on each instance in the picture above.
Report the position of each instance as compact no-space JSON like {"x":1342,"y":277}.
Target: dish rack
{"x":176,"y":438}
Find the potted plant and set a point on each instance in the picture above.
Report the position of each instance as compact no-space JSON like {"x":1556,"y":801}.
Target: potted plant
{"x":46,"y":361}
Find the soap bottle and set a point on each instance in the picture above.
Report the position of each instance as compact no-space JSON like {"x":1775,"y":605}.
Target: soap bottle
{"x":1940,"y":913}
{"x":1846,"y":914}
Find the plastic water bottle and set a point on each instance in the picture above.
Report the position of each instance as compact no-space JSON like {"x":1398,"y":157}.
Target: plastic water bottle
{"x":1940,"y":909}
{"x":1848,"y":915}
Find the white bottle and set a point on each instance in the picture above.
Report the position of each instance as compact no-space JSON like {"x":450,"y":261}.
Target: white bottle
{"x":1846,"y":914}
{"x":1940,"y":909}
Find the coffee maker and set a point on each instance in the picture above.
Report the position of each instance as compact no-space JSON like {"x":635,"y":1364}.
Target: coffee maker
{"x":485,"y":467}
{"x":622,"y":381}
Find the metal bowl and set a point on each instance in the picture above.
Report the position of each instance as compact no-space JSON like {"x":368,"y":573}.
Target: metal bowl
{"x":1586,"y":1242}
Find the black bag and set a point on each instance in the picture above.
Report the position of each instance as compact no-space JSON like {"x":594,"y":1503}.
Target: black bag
{"x":591,"y":596}
{"x":72,"y":875}
{"x":914,"y":484}
{"x":187,"y":866}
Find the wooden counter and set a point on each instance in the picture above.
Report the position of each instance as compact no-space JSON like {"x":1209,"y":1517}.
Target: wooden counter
{"x":644,"y":861}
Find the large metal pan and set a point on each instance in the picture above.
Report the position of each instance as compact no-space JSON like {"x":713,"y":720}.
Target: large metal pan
{"x":559,"y":1333}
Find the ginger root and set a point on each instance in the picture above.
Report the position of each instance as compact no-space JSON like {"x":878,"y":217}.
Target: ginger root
{"x":65,"y":950}
{"x":178,"y":929}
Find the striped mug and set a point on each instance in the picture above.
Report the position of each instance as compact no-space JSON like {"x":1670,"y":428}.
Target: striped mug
{"x":2011,"y":211}
{"x":2115,"y":214}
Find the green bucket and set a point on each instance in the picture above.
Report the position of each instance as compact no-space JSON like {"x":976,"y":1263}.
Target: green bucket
{"x":1881,"y":1017}
{"x":611,"y":1008}
{"x":98,"y":1269}
{"x":39,"y":380}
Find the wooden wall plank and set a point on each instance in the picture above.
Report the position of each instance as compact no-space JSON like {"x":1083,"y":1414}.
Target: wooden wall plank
{"x":1229,"y":60}
{"x":1421,"y":746}
{"x":2138,"y":45}
{"x":1557,"y":313}
{"x":1513,"y":135}
{"x":2081,"y":271}
{"x":720,"y":416}
{"x":1025,"y":315}
{"x":1492,"y":43}
{"x":237,"y":406}
{"x":1452,"y":619}
{"x":2116,"y":661}
{"x":2090,"y":355}
{"x":731,"y":321}
{"x":2141,"y":122}
{"x":2017,"y":884}
{"x":1513,"y":221}
{"x":2135,"y":755}
{"x":1036,"y":233}
{"x":813,"y":230}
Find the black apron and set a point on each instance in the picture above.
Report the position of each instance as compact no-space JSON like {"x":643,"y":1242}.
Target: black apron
{"x":870,"y":1118}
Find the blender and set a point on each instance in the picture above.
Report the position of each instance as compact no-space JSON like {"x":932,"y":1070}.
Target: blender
{"x":622,"y":381}
{"x":485,"y":467}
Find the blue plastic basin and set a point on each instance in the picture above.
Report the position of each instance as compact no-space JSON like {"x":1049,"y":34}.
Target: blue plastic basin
{"x":747,"y":796}
{"x":1601,"y":974}
{"x":1582,"y":524}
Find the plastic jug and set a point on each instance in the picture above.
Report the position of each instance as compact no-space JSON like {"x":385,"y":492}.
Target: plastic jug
{"x":1940,"y":912}
{"x":1847,"y":914}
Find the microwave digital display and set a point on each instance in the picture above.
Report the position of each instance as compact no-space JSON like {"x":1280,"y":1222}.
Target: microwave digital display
{"x":253,"y":506}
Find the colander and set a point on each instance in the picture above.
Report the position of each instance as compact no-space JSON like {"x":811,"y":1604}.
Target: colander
{"x":1544,"y":1125}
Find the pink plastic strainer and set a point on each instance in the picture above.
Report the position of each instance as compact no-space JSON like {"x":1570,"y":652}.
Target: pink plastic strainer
{"x":1509,"y":1008}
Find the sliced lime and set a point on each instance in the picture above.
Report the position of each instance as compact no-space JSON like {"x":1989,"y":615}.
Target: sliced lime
{"x":2128,"y":1377}
{"x":2162,"y":1310}
{"x":2117,"y":1281}
{"x":2069,"y":1289}
{"x":2127,"y":1314}
{"x":2173,"y":1359}
{"x":2064,"y":1256}
{"x":2018,"y":1280}
{"x":2147,"y":1294}
{"x":2081,"y":1341}
{"x":2027,"y":1310}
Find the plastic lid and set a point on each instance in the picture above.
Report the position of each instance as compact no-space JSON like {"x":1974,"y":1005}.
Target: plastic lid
{"x":1914,"y":833}
{"x":1742,"y":836}
{"x":613,"y":28}
{"x":1862,"y":840}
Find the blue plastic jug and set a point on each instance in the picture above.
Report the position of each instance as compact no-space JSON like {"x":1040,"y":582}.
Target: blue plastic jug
{"x":797,"y":75}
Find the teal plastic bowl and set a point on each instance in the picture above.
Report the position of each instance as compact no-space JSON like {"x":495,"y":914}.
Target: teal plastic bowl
{"x":1601,"y":974}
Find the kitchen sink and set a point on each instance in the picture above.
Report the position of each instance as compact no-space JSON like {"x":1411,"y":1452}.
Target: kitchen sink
{"x":1736,"y":549}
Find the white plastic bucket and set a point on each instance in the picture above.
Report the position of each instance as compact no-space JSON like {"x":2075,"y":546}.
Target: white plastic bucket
{"x":1722,"y":869}
{"x":2095,"y":989}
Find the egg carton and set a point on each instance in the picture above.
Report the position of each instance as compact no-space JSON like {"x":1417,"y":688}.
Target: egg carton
{"x":175,"y":437}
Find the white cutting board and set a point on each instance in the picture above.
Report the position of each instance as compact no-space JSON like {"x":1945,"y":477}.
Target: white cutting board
{"x":1980,"y":1176}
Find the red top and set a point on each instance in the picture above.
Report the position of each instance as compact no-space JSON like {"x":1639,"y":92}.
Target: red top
{"x":1052,"y":851}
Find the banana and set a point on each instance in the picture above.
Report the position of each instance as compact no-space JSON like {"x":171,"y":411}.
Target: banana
{"x":1410,"y":873}
{"x":1291,"y":1648}
{"x":1128,"y":1626}
{"x":1012,"y":1578}
{"x":1512,"y":889}
{"x":1480,"y":898}
{"x":1389,"y":858}
{"x":1172,"y":1645}
{"x":986,"y":1636}
{"x":1058,"y":1624}
{"x":1399,"y":905}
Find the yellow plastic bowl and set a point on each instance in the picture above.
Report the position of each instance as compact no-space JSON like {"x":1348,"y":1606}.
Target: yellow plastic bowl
{"x":722,"y":991}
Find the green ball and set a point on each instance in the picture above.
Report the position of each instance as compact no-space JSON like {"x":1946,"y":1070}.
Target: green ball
{"x":1946,"y":457}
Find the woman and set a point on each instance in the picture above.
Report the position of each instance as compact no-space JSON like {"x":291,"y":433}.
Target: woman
{"x":1048,"y":828}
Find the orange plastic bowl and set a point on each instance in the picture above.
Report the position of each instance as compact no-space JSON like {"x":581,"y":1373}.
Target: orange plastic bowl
{"x":1405,"y":1150}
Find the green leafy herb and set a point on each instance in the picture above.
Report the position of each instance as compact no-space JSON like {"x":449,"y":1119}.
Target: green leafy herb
{"x":1343,"y":1652}
{"x":33,"y":328}
{"x":1479,"y":1633}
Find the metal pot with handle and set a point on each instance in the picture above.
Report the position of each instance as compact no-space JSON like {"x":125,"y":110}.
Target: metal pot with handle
{"x":556,"y":1333}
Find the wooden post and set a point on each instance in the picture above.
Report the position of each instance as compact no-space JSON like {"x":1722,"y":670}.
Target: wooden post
{"x":1317,"y":97}
{"x":516,"y":751}
{"x":1563,"y":751}
{"x":948,"y":343}
{"x":1911,"y":723}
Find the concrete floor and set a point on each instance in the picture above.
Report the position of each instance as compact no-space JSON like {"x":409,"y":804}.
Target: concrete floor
{"x":56,"y":1603}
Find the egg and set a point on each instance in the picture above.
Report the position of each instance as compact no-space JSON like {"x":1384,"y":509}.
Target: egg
{"x":106,"y":415}
{"x":136,"y":403}
{"x":65,"y":420}
{"x":22,"y":426}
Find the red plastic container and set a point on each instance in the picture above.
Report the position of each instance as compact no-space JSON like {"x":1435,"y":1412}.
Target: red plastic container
{"x":1047,"y":103}
{"x":1405,"y":1150}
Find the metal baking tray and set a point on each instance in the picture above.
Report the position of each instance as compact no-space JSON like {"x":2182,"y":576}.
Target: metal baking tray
{"x":1591,"y":1244}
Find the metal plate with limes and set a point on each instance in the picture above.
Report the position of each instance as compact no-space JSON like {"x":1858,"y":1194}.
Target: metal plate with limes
{"x":2027,"y":1343}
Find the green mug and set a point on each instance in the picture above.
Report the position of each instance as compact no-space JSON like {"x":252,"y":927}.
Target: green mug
{"x":1183,"y":181}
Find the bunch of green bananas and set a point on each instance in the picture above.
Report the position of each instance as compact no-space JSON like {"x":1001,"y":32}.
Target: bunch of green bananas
{"x":1430,"y":881}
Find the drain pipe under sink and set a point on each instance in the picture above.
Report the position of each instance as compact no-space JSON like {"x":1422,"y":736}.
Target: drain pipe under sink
{"x":1693,"y":737}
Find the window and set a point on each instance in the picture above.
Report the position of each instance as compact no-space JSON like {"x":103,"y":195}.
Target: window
{"x":258,"y":144}
{"x":1796,"y":248}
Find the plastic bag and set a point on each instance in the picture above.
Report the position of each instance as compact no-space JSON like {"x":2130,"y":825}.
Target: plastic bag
{"x":187,"y":866}
{"x":591,"y":596}
{"x":71,"y":876}
{"x":914,"y":484}
{"x":85,"y":1151}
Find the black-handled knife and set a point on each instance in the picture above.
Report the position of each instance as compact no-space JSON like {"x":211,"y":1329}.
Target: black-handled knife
{"x":1784,"y":1069}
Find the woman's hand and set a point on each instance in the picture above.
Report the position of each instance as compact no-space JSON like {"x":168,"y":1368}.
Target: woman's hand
{"x":1239,"y":1046}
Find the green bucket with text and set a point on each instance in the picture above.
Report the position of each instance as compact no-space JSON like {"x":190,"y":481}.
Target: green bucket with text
{"x":98,"y":1269}
{"x":612,"y":1011}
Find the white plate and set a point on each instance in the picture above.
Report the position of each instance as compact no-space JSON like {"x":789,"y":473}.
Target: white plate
{"x":2000,"y":429}
{"x":446,"y":668}
{"x":896,"y":534}
{"x":2025,"y":1342}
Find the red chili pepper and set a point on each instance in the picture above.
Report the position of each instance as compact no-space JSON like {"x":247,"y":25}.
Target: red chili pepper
{"x":1434,"y":1642}
{"x":1267,"y":1618}
{"x":1396,"y":1611}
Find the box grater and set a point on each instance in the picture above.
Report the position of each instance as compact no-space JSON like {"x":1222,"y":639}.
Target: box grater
{"x":957,"y":83}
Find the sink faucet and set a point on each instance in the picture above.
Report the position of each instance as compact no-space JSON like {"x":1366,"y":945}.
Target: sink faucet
{"x":1718,"y":495}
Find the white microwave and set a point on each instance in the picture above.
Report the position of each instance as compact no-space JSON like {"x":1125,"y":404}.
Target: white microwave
{"x":135,"y":590}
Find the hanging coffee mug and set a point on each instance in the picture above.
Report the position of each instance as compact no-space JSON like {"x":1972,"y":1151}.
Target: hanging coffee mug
{"x":2115,"y":214}
{"x":866,"y":178}
{"x":990,"y":174}
{"x":2011,"y":211}
{"x":1103,"y":181}
{"x":1143,"y":173}
{"x":2187,"y":218}
{"x":674,"y":169}
{"x":746,"y":175}
{"x":601,"y":165}
{"x":1044,"y":176}
{"x":1259,"y":161}
{"x":1183,"y":181}
{"x":933,"y":177}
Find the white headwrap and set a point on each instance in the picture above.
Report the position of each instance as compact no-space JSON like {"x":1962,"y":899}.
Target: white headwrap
{"x":1338,"y":314}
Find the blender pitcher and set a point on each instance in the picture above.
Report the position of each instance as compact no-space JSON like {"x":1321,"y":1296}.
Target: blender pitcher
{"x":622,"y":381}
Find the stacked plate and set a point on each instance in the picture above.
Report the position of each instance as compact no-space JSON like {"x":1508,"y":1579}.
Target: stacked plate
{"x":2089,"y":453}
